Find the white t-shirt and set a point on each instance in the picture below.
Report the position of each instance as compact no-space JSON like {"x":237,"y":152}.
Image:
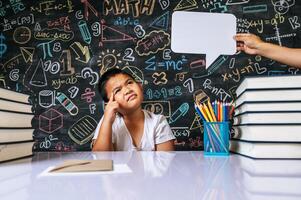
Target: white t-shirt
{"x":156,"y":131}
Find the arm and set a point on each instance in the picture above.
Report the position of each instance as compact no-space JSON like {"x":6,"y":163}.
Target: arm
{"x":252,"y":44}
{"x":164,"y":138}
{"x":165,"y":146}
{"x":104,"y":139}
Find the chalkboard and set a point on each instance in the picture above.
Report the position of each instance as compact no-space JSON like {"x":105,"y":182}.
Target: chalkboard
{"x":56,"y":51}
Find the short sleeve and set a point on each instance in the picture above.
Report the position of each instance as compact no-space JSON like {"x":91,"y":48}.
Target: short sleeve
{"x":163,"y":132}
{"x":97,"y":129}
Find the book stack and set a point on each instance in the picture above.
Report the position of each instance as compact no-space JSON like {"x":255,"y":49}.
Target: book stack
{"x":267,"y":117}
{"x":16,"y":132}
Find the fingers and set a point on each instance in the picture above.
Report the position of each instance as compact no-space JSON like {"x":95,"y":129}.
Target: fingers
{"x":113,"y":104}
{"x":240,"y":48}
{"x":240,"y":44}
{"x":244,"y":34}
{"x":111,"y":98}
{"x":241,"y":37}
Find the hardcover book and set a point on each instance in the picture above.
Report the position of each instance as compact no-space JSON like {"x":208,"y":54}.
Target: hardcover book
{"x":11,"y":119}
{"x":15,"y":106}
{"x":268,"y":132}
{"x":268,"y":95}
{"x":267,"y":106}
{"x":14,"y":96}
{"x":269,"y":82}
{"x":15,"y":135}
{"x":267,"y":118}
{"x":14,"y":151}
{"x":266,"y":149}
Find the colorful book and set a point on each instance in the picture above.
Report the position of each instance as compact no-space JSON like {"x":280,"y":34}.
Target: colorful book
{"x":266,"y":149}
{"x":269,"y":82}
{"x":267,"y":118}
{"x":268,"y":132}
{"x":267,"y":106}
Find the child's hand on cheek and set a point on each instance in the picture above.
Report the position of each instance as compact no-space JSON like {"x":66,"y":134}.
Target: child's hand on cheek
{"x":111,"y":110}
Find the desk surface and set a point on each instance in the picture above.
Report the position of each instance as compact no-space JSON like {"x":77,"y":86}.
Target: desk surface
{"x":154,"y":175}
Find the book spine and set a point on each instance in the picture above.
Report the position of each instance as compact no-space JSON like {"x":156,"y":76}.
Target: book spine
{"x":236,"y":132}
{"x":238,"y":111}
{"x":236,"y":120}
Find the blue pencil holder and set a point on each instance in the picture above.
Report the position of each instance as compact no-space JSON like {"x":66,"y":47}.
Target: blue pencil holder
{"x":216,"y":138}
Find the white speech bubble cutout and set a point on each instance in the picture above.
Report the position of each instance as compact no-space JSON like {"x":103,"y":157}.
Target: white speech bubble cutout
{"x":203,"y":33}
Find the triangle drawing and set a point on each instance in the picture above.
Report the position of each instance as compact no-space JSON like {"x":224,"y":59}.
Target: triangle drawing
{"x":27,"y":53}
{"x":110,"y":34}
{"x":196,"y":123}
{"x":161,"y":22}
{"x":186,"y":5}
{"x":38,"y":78}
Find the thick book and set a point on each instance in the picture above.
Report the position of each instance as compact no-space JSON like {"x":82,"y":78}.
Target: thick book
{"x":267,"y":106}
{"x":269,"y":95}
{"x":15,"y":106}
{"x":269,"y":82}
{"x":15,"y":119}
{"x":15,"y":135}
{"x":14,"y":151}
{"x":14,"y":96}
{"x":268,"y":132}
{"x":266,"y":149}
{"x":267,"y":118}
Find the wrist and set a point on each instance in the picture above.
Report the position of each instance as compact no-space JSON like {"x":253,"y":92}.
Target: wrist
{"x":263,"y":48}
{"x":108,"y":120}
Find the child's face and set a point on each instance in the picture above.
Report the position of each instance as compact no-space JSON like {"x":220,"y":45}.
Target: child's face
{"x":126,"y":92}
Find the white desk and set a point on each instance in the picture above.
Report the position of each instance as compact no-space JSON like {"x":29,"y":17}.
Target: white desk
{"x":152,"y":176}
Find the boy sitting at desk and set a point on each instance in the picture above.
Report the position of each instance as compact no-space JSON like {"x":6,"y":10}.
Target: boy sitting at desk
{"x":125,"y":125}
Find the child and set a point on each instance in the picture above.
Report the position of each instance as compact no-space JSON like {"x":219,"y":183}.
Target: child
{"x":252,"y":44}
{"x":125,"y":125}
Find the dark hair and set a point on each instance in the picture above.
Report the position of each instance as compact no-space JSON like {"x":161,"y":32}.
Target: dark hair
{"x":104,"y":79}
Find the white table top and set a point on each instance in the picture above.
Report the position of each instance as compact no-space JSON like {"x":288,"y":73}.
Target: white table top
{"x":151,"y":176}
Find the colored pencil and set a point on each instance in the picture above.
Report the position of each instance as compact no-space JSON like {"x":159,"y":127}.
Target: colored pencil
{"x":211,"y":111}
